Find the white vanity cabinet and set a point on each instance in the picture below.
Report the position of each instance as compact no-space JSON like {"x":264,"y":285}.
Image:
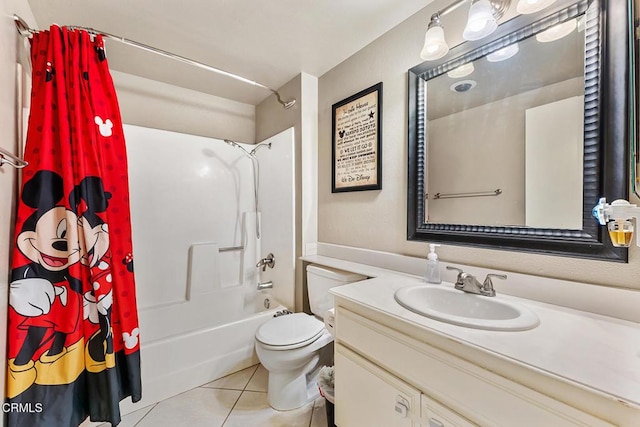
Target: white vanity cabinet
{"x":370,"y":396}
{"x":387,"y":378}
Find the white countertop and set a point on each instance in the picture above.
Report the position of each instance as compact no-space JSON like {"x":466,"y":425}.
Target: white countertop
{"x":598,"y":352}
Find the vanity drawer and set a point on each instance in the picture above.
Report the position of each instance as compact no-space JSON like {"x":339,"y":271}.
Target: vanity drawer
{"x":475,"y":393}
{"x":437,"y":415}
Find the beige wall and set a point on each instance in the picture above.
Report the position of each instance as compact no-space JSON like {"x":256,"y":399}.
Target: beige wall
{"x":158,"y":105}
{"x":377,"y":219}
{"x":272,"y":119}
{"x":11,"y":52}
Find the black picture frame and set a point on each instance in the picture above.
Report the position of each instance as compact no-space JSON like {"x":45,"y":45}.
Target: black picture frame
{"x":607,"y":130}
{"x":356,"y":142}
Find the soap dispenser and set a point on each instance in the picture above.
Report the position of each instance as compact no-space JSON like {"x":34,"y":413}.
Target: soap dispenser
{"x":433,"y":266}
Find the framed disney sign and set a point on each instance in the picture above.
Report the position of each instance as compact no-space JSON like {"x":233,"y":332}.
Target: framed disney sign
{"x":356,"y":150}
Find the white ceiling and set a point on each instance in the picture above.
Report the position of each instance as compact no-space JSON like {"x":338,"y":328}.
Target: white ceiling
{"x":267,"y":41}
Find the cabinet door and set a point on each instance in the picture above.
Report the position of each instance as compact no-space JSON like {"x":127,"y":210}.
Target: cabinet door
{"x":436,"y":415}
{"x":367,"y":395}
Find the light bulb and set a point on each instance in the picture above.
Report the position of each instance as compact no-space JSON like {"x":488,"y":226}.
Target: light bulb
{"x":557,"y":32}
{"x":461,"y":71}
{"x":504,"y":53}
{"x":532,"y":6}
{"x":481,"y":21}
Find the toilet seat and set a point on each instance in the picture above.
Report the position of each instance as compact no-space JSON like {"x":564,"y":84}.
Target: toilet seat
{"x":290,"y":331}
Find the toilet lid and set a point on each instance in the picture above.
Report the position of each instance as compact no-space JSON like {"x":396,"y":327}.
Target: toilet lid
{"x":297,"y":328}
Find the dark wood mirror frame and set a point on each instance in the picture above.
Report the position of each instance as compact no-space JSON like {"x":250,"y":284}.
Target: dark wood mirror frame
{"x":608,"y":78}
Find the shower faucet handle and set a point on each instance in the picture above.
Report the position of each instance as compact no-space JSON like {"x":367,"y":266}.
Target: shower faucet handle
{"x":268,"y":261}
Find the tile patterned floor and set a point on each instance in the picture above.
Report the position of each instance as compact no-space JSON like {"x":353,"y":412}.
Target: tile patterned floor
{"x":237,"y":400}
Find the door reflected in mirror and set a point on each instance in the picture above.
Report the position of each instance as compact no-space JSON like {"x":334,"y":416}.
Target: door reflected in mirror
{"x":504,"y":138}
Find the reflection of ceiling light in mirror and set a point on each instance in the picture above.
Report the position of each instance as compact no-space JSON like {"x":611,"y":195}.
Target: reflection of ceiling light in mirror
{"x":581,"y":22}
{"x":435,"y":46}
{"x":463,"y":86}
{"x":481,"y":21}
{"x":557,"y":32}
{"x":532,"y":6}
{"x":461,"y":71}
{"x":504,"y":53}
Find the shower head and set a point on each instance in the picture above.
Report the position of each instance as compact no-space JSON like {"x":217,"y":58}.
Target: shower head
{"x":248,"y":153}
{"x":259,"y":146}
{"x":235,"y":144}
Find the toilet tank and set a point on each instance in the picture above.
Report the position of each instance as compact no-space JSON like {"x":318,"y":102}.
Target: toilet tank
{"x":320,"y":280}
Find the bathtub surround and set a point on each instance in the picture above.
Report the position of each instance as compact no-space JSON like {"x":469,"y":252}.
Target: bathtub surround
{"x":303,"y":117}
{"x":277,"y":206}
{"x":192,"y":209}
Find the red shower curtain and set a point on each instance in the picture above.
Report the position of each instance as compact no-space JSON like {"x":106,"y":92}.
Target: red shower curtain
{"x":73,"y":347}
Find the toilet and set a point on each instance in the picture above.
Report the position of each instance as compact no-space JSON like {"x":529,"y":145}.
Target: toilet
{"x":293,"y":347}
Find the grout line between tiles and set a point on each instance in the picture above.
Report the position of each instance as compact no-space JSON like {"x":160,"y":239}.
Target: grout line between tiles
{"x":229,"y":375}
{"x":251,"y":377}
{"x":148,"y":412}
{"x":232,"y":408}
{"x":313,"y":410}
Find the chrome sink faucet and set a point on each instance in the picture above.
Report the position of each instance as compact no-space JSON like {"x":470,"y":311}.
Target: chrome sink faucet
{"x":468,"y":283}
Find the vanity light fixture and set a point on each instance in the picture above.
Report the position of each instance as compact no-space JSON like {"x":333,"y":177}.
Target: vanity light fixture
{"x":482,"y":21}
{"x":504,"y":53}
{"x":435,"y":46}
{"x":557,"y":32}
{"x":532,"y":6}
{"x":461,"y":71}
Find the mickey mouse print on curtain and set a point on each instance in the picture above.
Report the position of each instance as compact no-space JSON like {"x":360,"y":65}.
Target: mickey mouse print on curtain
{"x":73,"y":338}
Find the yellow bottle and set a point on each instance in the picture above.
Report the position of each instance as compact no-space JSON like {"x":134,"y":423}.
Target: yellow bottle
{"x":620,"y":232}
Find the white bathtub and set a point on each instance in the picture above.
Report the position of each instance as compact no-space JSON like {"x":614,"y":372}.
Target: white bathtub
{"x":176,"y":364}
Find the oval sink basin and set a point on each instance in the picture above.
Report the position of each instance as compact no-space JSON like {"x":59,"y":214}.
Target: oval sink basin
{"x":464,"y":309}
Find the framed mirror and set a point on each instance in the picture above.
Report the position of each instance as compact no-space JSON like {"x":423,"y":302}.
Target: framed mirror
{"x":515,"y":153}
{"x":635,"y":140}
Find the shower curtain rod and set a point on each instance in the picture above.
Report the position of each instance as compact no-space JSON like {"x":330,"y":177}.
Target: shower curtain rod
{"x":25,"y":31}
